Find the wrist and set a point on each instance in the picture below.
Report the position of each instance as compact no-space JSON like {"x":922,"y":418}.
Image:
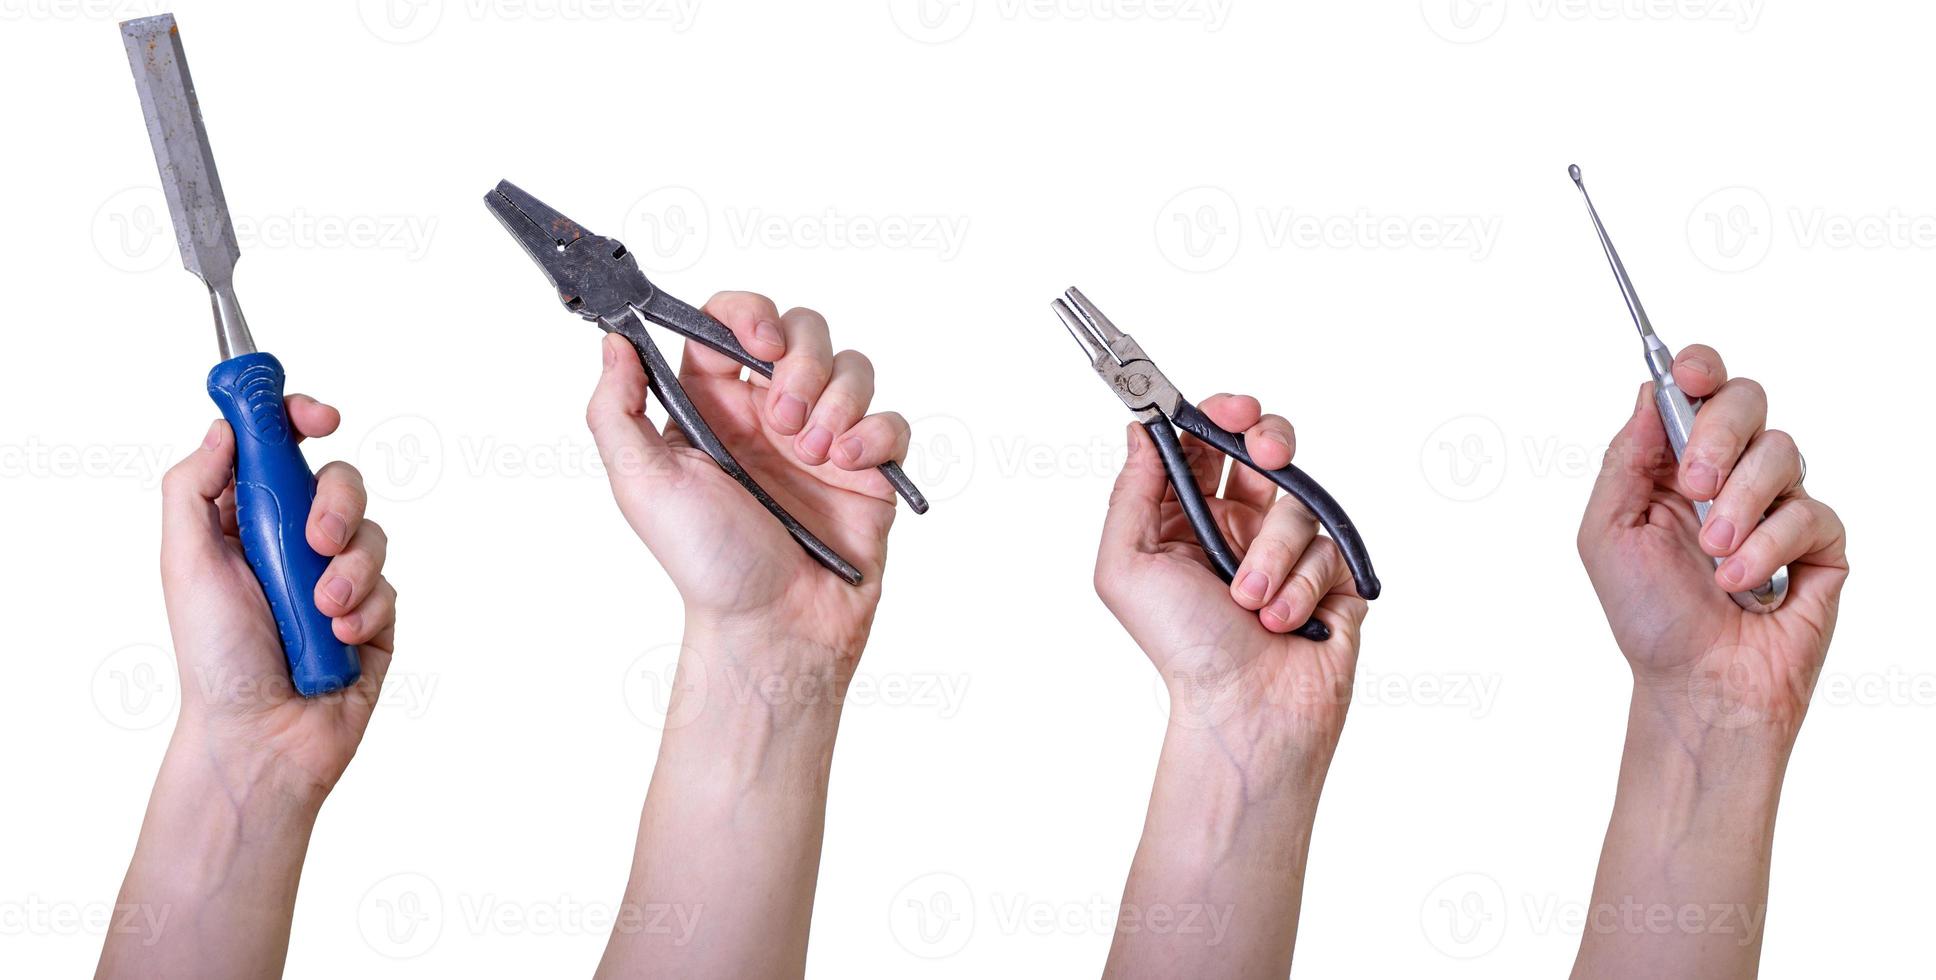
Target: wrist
{"x":1223,"y":792}
{"x":252,"y":779}
{"x":752,"y":709}
{"x":1678,"y":750}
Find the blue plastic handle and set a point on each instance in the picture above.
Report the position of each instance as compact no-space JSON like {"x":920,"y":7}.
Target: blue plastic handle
{"x":273,"y":491}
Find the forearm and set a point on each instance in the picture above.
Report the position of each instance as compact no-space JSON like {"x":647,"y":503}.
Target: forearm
{"x":1219,"y":875}
{"x":729,"y":844}
{"x":212,"y":886}
{"x":1682,"y":887}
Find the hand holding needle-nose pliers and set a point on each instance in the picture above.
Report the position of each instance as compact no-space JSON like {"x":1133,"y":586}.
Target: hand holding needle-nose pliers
{"x":1161,"y":409}
{"x":598,"y":279}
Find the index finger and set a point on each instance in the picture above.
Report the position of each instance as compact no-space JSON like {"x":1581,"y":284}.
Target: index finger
{"x":1699,"y":371}
{"x":755,"y":323}
{"x":313,"y":419}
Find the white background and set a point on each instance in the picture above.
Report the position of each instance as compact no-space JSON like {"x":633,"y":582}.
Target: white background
{"x":1764,"y":167}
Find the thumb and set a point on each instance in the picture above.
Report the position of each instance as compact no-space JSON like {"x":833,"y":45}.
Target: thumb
{"x":1635,"y":459}
{"x":191,"y":519}
{"x":634,"y":452}
{"x":1135,"y":516}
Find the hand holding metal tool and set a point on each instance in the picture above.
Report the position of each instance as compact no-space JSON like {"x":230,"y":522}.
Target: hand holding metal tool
{"x":1156,"y":403}
{"x":1676,"y":410}
{"x":598,"y":279}
{"x":273,"y":484}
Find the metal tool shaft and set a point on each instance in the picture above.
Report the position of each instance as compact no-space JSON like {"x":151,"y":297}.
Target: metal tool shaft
{"x":203,"y":231}
{"x":1676,"y":409}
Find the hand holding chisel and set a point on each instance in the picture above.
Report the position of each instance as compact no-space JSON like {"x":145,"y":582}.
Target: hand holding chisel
{"x":273,"y":484}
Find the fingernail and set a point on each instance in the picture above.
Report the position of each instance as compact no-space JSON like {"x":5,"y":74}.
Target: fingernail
{"x":1703,"y":479}
{"x":1280,"y":611}
{"x":1731,"y":571}
{"x":1719,"y":533}
{"x":849,"y":450}
{"x":610,"y":357}
{"x":1252,"y":585}
{"x":335,"y":529}
{"x":769,"y":333}
{"x":338,"y":590}
{"x":214,"y":435}
{"x":816,"y":442}
{"x":1278,"y":437}
{"x":1699,"y":365}
{"x":790,"y":411}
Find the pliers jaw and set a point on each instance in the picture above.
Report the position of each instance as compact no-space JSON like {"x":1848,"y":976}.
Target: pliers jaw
{"x":1118,"y":359}
{"x":596,"y":277}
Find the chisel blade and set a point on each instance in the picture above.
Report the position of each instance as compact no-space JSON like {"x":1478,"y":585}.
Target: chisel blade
{"x":201,"y":215}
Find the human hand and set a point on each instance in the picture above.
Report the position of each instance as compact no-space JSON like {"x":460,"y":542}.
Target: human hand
{"x":239,"y":708}
{"x":1228,"y":651}
{"x":1651,"y":561}
{"x":805,"y":436}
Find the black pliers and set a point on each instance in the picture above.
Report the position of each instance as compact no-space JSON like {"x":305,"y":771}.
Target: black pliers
{"x":1161,"y":408}
{"x":599,"y":280}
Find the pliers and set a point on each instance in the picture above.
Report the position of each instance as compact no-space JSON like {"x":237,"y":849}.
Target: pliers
{"x":598,"y":279}
{"x":1156,"y":403}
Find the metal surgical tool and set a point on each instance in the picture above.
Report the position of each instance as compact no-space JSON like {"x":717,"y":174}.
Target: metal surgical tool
{"x":1676,"y":410}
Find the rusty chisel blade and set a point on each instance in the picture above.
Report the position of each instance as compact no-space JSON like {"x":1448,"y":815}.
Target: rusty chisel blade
{"x":195,"y":201}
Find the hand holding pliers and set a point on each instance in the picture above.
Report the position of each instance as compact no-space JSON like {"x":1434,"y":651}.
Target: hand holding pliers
{"x":598,"y":279}
{"x":1157,"y":404}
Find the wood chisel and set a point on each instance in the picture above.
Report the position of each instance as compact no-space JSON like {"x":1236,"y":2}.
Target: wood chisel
{"x":273,"y":483}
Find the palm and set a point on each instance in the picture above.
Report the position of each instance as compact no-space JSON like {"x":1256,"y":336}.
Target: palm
{"x":1217,"y":652}
{"x":729,"y":555}
{"x":1674,"y":622}
{"x":233,"y":668}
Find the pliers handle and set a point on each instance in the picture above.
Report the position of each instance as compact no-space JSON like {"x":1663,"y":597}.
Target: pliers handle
{"x":1291,"y":479}
{"x":698,"y":326}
